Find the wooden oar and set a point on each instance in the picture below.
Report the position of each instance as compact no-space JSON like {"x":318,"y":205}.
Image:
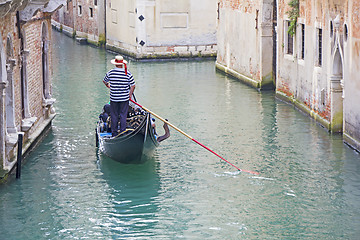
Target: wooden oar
{"x":188,"y":136}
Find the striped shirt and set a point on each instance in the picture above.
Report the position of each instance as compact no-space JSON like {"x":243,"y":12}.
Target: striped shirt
{"x":120,"y":84}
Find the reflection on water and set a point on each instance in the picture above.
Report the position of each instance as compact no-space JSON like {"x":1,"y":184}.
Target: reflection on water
{"x":134,"y":192}
{"x":308,"y":187}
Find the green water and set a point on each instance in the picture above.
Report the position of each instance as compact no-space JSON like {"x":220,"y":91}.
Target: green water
{"x":308,"y":187}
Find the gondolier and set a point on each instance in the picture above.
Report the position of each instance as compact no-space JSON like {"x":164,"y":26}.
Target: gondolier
{"x":122,"y":85}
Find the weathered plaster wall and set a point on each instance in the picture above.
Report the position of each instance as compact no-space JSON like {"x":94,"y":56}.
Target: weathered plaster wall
{"x":245,"y":40}
{"x":305,"y":80}
{"x":329,"y":92}
{"x":120,"y":24}
{"x":182,"y":23}
{"x":162,"y":28}
{"x":352,"y":77}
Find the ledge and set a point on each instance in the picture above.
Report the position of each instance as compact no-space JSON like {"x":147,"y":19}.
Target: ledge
{"x":11,"y":140}
{"x":304,"y":108}
{"x":157,"y":55}
{"x":29,"y":144}
{"x":48,"y":102}
{"x":241,"y":77}
{"x":37,"y":135}
{"x":27,"y":123}
{"x":350,"y":141}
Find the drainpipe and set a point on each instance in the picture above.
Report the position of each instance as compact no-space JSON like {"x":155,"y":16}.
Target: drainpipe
{"x":274,"y":63}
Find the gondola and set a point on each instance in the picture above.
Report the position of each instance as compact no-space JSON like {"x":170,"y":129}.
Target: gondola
{"x":135,"y":145}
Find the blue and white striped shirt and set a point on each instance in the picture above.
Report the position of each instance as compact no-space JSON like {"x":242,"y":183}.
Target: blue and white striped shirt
{"x":120,"y":84}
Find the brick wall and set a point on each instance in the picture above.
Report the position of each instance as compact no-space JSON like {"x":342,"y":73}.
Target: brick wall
{"x":32,"y":32}
{"x":84,"y":22}
{"x":8,"y":29}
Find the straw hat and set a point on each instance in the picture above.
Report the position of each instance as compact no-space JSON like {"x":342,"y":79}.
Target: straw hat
{"x":119,"y":60}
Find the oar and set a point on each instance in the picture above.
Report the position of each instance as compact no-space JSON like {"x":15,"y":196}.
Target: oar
{"x":188,"y":136}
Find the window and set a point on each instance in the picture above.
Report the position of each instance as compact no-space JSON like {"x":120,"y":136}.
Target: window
{"x":346,"y":32}
{"x":289,"y":40}
{"x":95,"y":2}
{"x":91,"y":12}
{"x":114,"y":16}
{"x":331,"y":29}
{"x":80,"y":10}
{"x":302,"y":41}
{"x":319,"y":47}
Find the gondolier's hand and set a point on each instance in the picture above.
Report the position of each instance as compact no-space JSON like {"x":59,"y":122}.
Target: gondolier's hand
{"x":107,"y":84}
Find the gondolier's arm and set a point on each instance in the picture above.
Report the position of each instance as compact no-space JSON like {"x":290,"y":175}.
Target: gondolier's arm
{"x":132,"y":88}
{"x":107,"y":84}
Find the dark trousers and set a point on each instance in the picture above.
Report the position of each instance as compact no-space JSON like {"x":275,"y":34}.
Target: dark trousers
{"x":118,"y":109}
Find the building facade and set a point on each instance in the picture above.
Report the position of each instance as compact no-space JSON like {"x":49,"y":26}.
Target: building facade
{"x":245,"y":41}
{"x":25,"y":80}
{"x":318,"y":68}
{"x":144,"y":28}
{"x":162,"y":28}
{"x":82,"y":19}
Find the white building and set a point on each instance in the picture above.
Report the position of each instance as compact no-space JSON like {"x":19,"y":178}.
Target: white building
{"x":162,"y":28}
{"x":245,"y":41}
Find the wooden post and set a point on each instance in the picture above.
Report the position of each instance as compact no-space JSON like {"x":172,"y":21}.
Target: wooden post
{"x":19,"y":155}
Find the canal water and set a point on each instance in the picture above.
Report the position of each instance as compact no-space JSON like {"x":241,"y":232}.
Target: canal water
{"x":308,"y":186}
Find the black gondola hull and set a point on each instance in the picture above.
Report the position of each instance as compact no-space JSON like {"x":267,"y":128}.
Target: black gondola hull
{"x":136,"y":147}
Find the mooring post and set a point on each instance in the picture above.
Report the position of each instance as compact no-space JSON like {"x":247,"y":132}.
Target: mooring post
{"x":96,"y":138}
{"x":19,"y":155}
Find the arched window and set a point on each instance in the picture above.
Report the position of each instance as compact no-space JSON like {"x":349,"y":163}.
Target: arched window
{"x":45,"y":62}
{"x":9,"y":99}
{"x":331,"y":29}
{"x":346,"y":32}
{"x":25,"y":112}
{"x":2,"y":106}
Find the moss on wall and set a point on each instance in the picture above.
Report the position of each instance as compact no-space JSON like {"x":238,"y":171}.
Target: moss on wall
{"x":102,"y":40}
{"x":303,"y":108}
{"x":267,"y":82}
{"x":337,"y":122}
